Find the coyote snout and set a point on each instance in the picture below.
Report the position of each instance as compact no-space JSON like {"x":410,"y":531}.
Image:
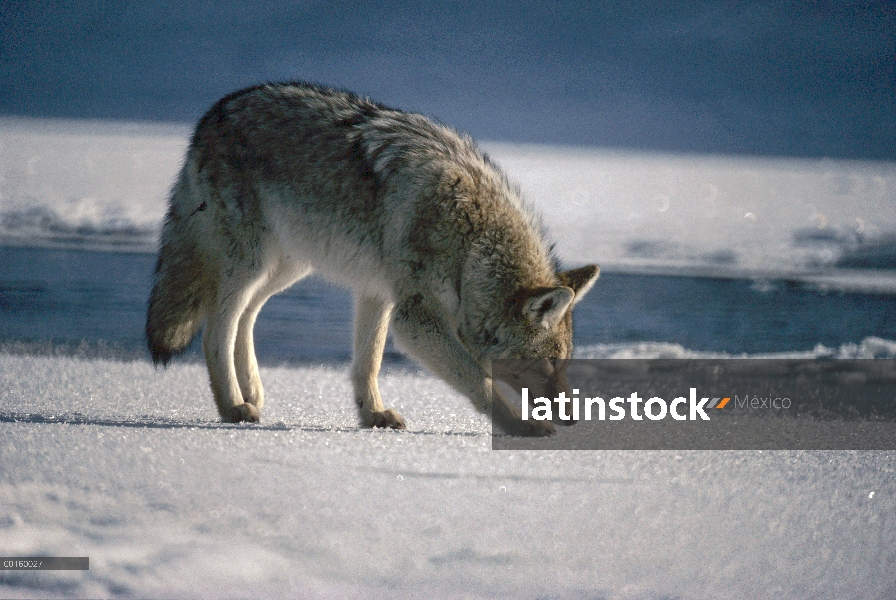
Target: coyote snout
{"x":282,"y":180}
{"x":543,"y":378}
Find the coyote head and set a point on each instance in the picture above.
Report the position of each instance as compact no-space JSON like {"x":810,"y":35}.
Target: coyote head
{"x":534,"y":324}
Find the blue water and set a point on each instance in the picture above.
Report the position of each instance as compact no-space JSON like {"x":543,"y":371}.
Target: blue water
{"x":68,"y":297}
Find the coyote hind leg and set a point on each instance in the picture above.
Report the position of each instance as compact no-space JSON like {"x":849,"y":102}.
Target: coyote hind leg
{"x":233,"y":296}
{"x":371,"y":327}
{"x":244,"y":351}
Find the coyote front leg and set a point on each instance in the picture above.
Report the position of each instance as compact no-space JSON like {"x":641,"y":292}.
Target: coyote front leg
{"x":371,"y":327}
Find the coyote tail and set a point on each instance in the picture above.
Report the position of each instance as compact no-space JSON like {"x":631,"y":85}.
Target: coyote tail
{"x":177,"y":304}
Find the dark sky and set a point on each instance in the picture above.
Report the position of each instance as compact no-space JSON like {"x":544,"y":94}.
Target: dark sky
{"x":778,"y":78}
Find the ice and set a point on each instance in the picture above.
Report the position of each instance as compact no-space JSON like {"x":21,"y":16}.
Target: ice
{"x":126,"y":464}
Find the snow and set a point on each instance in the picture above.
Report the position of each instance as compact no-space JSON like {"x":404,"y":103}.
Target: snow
{"x":870,"y":347}
{"x":649,"y":212}
{"x":93,"y":183}
{"x":105,"y":184}
{"x":128,"y":465}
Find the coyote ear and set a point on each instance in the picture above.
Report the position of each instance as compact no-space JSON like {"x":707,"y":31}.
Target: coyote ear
{"x":580,"y":280}
{"x":548,"y":306}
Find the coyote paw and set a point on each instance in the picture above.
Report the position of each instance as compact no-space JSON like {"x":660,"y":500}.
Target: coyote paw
{"x":388,"y":418}
{"x":244,"y":412}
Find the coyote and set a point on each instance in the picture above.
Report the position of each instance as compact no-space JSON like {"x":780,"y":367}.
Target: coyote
{"x":284,"y":179}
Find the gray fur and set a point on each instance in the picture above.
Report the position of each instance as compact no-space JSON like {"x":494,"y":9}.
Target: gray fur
{"x":283,"y":179}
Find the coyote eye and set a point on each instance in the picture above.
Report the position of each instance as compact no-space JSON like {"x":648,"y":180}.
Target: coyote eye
{"x":491,"y":338}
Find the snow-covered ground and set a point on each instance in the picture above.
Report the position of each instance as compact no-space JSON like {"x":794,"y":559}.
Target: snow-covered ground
{"x":127,"y":465}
